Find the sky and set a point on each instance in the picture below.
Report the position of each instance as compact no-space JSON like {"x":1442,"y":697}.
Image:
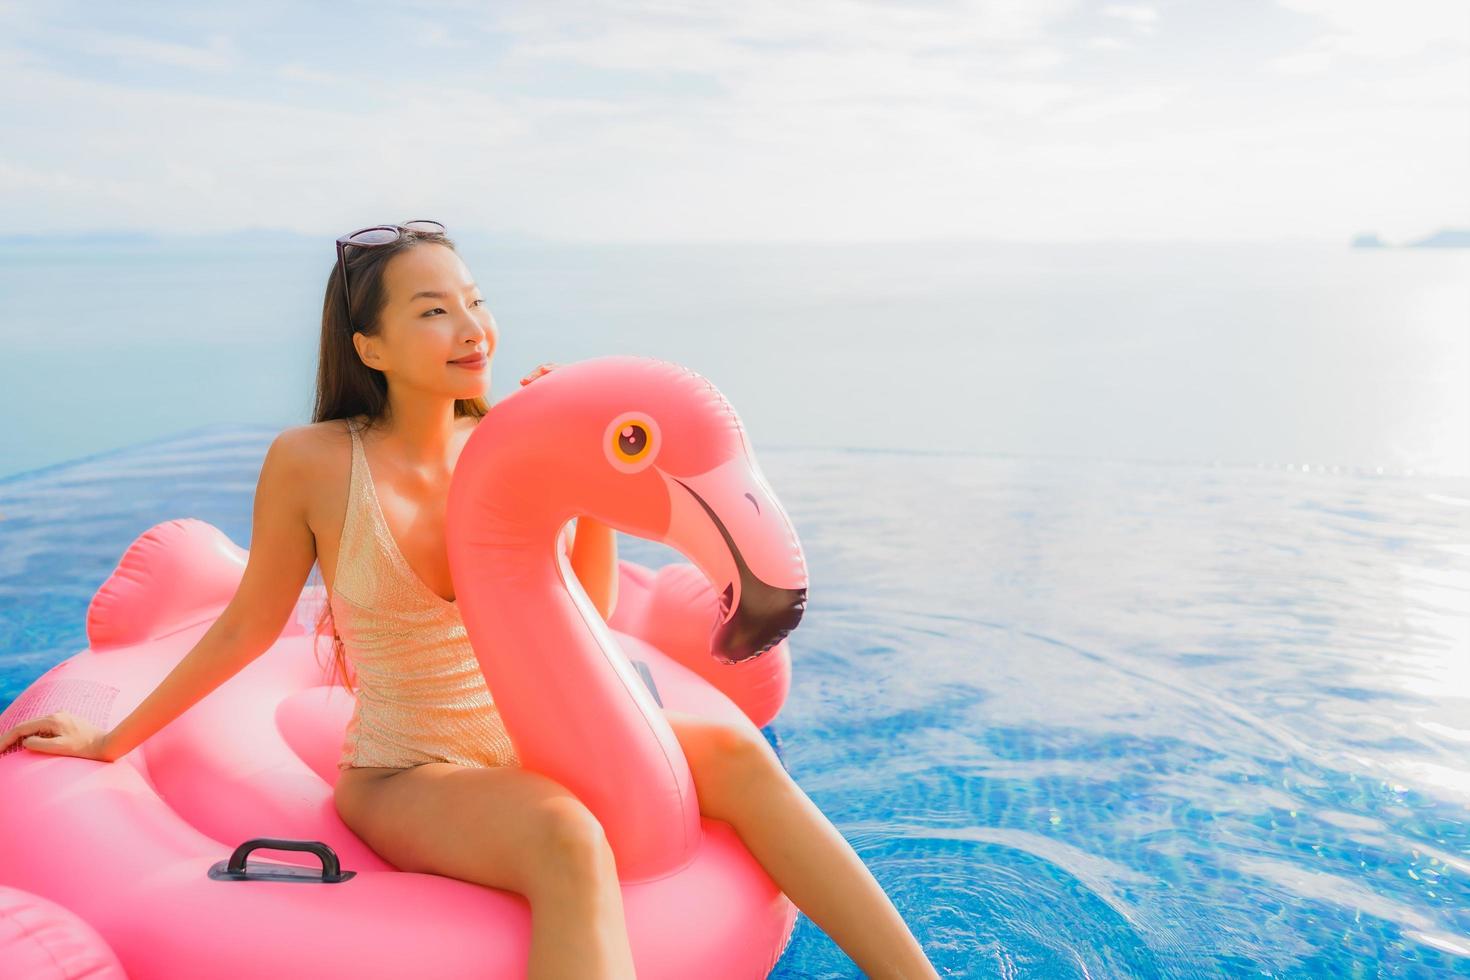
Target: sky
{"x":761,"y":120}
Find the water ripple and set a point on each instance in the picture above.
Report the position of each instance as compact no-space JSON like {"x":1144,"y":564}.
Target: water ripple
{"x":1081,"y":720}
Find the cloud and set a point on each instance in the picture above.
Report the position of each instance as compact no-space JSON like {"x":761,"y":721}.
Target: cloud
{"x":1371,"y":30}
{"x":653,"y":121}
{"x":305,"y":73}
{"x":217,"y":54}
{"x":429,"y":35}
{"x":1143,"y":17}
{"x":1141,"y":101}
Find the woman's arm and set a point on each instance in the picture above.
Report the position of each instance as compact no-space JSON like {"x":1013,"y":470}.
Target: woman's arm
{"x":282,"y":550}
{"x":595,"y":560}
{"x":218,"y":656}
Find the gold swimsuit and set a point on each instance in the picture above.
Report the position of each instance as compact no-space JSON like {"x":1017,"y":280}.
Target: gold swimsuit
{"x":421,"y":695}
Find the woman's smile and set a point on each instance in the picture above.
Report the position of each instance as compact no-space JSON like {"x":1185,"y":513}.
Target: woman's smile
{"x":475,"y":362}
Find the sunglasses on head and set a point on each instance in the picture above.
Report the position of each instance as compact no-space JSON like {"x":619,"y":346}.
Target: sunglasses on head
{"x":375,"y":235}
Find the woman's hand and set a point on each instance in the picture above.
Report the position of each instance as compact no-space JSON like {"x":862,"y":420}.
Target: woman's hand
{"x":61,"y":733}
{"x":540,"y":370}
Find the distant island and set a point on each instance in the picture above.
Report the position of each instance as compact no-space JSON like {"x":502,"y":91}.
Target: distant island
{"x":1444,"y":238}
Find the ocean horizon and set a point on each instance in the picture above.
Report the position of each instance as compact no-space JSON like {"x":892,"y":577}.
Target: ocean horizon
{"x":1278,"y":355}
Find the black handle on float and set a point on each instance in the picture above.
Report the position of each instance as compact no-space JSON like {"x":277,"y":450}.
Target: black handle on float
{"x":235,"y":868}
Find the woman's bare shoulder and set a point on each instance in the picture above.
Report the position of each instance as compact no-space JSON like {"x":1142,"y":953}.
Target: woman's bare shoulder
{"x":314,"y":439}
{"x":316,"y":450}
{"x":320,"y":459}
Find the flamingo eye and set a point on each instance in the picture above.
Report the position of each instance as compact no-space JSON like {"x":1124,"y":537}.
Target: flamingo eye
{"x":631,"y":442}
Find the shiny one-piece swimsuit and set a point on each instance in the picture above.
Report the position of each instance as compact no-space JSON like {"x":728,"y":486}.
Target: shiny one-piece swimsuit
{"x":421,"y":696}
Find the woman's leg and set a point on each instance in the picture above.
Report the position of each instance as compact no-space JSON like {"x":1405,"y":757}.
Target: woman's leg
{"x":578,"y":927}
{"x":739,"y":779}
{"x":505,"y":828}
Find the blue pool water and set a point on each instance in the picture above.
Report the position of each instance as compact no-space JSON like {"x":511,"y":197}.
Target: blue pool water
{"x":1081,"y":718}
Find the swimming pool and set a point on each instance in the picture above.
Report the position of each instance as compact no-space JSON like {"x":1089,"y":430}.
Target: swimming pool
{"x":1081,"y":718}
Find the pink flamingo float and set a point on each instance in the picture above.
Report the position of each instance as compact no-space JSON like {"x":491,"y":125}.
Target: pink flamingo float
{"x":144,"y":864}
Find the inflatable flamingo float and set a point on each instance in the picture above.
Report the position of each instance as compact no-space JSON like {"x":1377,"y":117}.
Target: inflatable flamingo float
{"x":152,"y":852}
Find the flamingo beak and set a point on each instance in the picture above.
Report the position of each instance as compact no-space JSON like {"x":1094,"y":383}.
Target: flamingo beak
{"x":730,"y":525}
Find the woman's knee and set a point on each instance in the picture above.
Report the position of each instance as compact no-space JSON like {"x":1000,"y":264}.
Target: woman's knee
{"x":725,"y":759}
{"x":724,"y":741}
{"x":570,"y":841}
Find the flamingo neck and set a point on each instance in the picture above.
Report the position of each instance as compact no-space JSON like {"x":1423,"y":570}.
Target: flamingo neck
{"x":575,"y":707}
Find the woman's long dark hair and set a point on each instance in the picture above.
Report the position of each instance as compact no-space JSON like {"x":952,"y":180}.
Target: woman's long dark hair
{"x":345,"y":386}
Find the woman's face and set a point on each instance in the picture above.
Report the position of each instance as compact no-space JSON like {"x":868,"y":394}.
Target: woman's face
{"x":422,"y":334}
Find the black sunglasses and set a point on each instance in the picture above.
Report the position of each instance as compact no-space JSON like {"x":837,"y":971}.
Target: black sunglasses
{"x":377,"y":235}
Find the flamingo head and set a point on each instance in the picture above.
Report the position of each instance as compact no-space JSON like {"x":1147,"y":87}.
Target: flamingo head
{"x":653,"y":449}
